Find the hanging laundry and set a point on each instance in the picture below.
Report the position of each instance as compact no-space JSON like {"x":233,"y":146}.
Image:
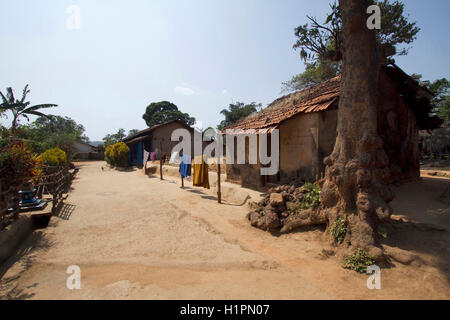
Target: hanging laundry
{"x":185,"y":166}
{"x":153,"y":156}
{"x":174,"y":158}
{"x":201,"y":178}
{"x":146,"y":155}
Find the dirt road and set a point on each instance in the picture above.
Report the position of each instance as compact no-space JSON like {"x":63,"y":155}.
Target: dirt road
{"x":136,"y":237}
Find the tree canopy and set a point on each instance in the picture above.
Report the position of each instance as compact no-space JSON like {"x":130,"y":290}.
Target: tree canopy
{"x":52,"y":131}
{"x":237,"y":111}
{"x":320,"y":44}
{"x":20,"y":107}
{"x":164,"y":111}
{"x":113,"y":138}
{"x":441,"y":99}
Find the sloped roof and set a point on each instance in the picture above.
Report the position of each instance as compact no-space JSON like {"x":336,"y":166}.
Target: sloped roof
{"x":138,"y":136}
{"x":317,"y":98}
{"x":325,"y":96}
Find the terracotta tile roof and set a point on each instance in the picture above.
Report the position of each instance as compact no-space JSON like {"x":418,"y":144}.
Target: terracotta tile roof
{"x":317,"y":98}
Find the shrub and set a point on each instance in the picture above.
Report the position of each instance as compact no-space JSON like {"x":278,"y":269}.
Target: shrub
{"x":311,"y":196}
{"x":17,"y":163}
{"x":54,"y":157}
{"x":339,"y":229}
{"x":108,"y":156}
{"x":358,"y":261}
{"x":117,"y":154}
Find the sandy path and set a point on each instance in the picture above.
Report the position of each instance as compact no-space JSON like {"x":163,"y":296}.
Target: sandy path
{"x":136,"y":237}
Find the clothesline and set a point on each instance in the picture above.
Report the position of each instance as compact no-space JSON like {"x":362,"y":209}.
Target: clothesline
{"x":201,"y":172}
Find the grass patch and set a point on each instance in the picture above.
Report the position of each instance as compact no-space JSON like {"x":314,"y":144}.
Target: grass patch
{"x":339,"y":229}
{"x":382,"y":232}
{"x":358,"y":261}
{"x":311,"y":196}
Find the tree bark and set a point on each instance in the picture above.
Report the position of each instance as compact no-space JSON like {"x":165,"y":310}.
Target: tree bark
{"x":357,"y":169}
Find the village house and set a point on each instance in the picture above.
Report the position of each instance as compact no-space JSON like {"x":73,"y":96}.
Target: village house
{"x":155,"y":139}
{"x":307,"y":122}
{"x":85,"y":151}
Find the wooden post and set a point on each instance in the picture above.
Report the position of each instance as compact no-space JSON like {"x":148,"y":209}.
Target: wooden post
{"x":160,"y":161}
{"x":219,"y":194}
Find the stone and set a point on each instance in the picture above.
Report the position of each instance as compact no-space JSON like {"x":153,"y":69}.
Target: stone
{"x":276,"y":200}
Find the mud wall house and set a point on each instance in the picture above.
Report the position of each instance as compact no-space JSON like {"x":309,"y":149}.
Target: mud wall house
{"x":85,"y":151}
{"x":307,"y":122}
{"x":155,"y":139}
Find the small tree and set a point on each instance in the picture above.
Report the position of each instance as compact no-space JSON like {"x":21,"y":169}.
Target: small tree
{"x":320,"y":44}
{"x":164,"y":111}
{"x":237,"y":111}
{"x":20,"y":108}
{"x":117,"y":154}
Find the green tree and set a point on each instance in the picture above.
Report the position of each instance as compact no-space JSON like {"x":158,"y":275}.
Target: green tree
{"x":237,"y":111}
{"x":114,"y":138}
{"x":355,"y":185}
{"x":53,"y":131}
{"x":315,"y":72}
{"x":164,"y":111}
{"x":132,"y":132}
{"x":441,"y":99}
{"x":20,"y":108}
{"x":320,"y":45}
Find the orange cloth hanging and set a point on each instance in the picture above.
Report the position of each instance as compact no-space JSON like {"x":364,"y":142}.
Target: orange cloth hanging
{"x":201,"y":177}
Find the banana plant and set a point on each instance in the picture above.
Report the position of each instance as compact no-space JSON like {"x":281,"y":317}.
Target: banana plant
{"x":20,"y":108}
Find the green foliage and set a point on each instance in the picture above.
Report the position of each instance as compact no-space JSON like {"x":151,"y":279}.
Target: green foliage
{"x":164,"y":111}
{"x":132,"y":132}
{"x":359,"y":261}
{"x":382,"y":232}
{"x":54,"y":157}
{"x":114,"y":138}
{"x":315,"y":73}
{"x":18,"y":163}
{"x":316,"y":40}
{"x":117,"y":154}
{"x":339,"y":229}
{"x":441,"y":99}
{"x":320,"y":45}
{"x":53,"y":131}
{"x":311,"y":196}
{"x":237,"y":111}
{"x":20,"y":108}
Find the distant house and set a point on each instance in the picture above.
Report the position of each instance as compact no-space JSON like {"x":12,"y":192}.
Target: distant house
{"x":155,"y":139}
{"x":85,"y":151}
{"x":307,"y":122}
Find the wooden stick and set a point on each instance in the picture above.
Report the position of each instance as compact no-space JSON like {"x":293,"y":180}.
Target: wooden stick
{"x":219,"y":194}
{"x":160,"y":161}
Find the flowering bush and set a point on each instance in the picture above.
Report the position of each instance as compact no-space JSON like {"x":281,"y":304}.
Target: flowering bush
{"x":117,"y":154}
{"x":17,"y":163}
{"x":54,"y":157}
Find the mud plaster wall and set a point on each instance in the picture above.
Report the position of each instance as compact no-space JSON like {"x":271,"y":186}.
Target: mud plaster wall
{"x":299,"y":145}
{"x":247,"y":175}
{"x":398,"y":128}
{"x":163,"y":134}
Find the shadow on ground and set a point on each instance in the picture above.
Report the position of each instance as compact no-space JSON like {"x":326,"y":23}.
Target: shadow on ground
{"x":35,"y":243}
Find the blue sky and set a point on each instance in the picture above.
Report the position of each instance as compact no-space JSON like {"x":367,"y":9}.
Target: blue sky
{"x":199,"y":54}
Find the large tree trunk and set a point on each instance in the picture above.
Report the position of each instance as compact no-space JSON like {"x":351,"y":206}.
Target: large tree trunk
{"x":355,"y":187}
{"x":357,"y":169}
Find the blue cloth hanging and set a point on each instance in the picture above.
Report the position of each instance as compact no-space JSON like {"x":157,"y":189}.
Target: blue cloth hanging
{"x":185,"y":166}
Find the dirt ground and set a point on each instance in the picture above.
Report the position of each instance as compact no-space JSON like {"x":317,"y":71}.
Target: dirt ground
{"x":136,"y":237}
